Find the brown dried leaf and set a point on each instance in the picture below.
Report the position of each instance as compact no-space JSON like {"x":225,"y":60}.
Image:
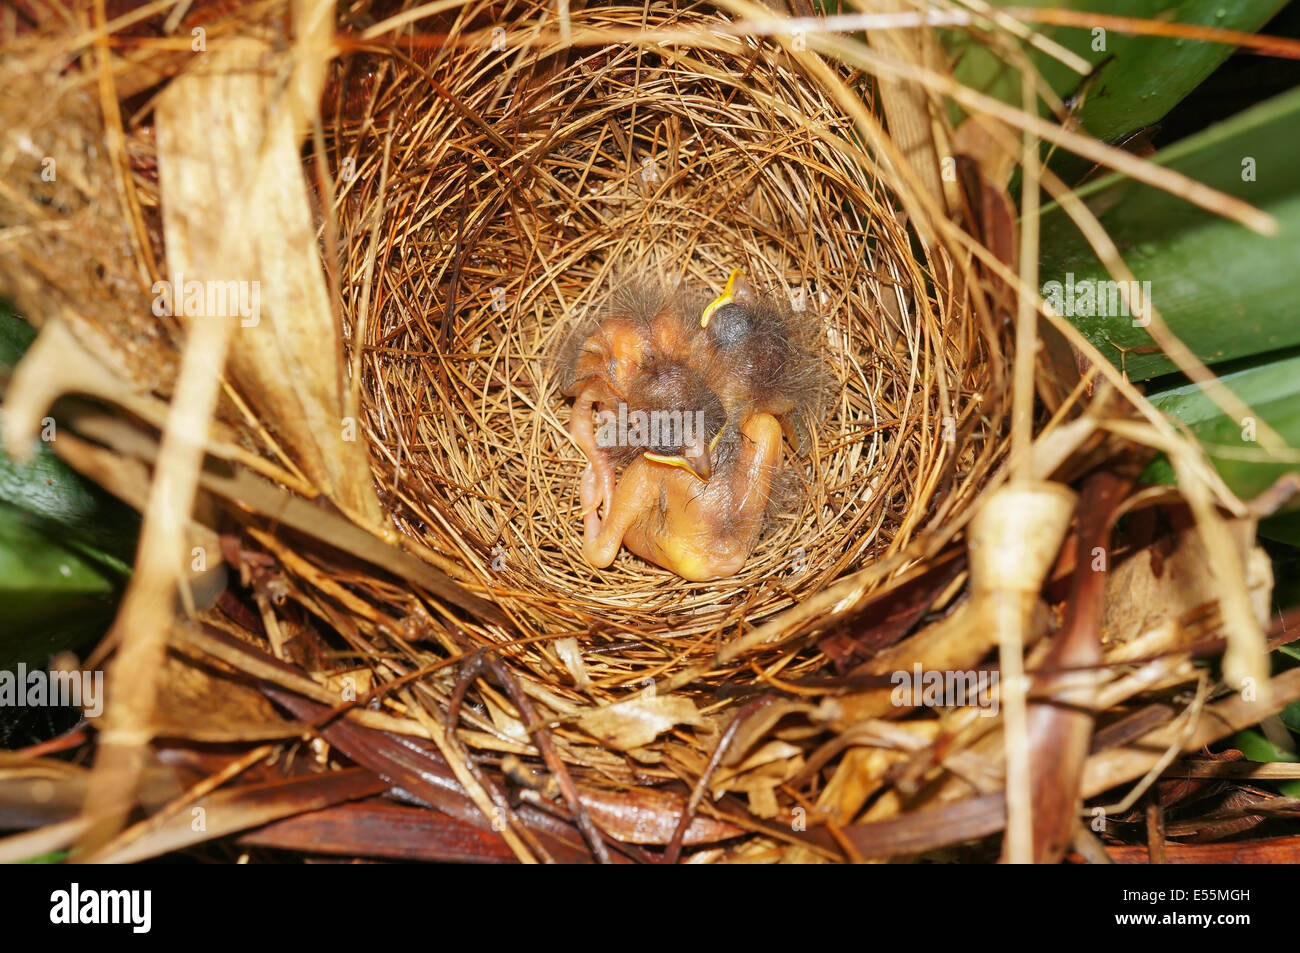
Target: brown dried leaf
{"x":1060,"y":720}
{"x":638,"y":721}
{"x":250,"y":805}
{"x":860,"y":774}
{"x":647,"y":816}
{"x":771,"y":764}
{"x":908,"y":105}
{"x":229,"y":158}
{"x":200,"y":705}
{"x":1168,"y":579}
{"x":379,"y":829}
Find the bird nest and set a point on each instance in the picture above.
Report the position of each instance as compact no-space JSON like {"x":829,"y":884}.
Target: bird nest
{"x":477,"y":188}
{"x":496,"y":193}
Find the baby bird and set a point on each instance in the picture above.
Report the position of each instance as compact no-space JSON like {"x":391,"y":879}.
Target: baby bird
{"x":671,"y":415}
{"x":621,"y":359}
{"x":762,"y":359}
{"x":701,"y":529}
{"x":737,"y":372}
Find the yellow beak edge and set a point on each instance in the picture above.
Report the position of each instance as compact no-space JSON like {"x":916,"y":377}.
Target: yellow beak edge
{"x":680,"y":462}
{"x":725,"y":298}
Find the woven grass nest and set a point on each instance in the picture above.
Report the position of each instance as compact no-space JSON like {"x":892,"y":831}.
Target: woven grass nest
{"x":361,"y":547}
{"x":525,"y":202}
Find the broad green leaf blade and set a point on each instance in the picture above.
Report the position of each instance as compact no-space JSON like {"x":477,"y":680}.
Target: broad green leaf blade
{"x":60,"y":502}
{"x":1290,"y":716}
{"x":1270,"y":385}
{"x":1258,"y":748}
{"x":52,"y":597}
{"x":16,"y":336}
{"x":1149,"y":75}
{"x":65,"y":545}
{"x":1137,"y":79}
{"x":1225,"y":291}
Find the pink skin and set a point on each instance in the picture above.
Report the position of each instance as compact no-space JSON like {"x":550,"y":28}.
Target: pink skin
{"x":610,"y":358}
{"x":708,"y":528}
{"x":597,"y":484}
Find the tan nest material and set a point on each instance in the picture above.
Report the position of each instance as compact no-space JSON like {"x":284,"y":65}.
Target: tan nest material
{"x":381,"y":460}
{"x":522,"y":185}
{"x":472,"y":202}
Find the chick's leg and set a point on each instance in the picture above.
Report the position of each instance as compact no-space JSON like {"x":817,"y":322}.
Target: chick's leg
{"x":597,"y":484}
{"x":791,"y":430}
{"x":609,"y":360}
{"x":637,"y":492}
{"x":756,"y":464}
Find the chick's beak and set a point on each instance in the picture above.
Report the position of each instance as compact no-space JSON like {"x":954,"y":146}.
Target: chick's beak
{"x":728,"y":293}
{"x":700,"y":461}
{"x":694,"y":459}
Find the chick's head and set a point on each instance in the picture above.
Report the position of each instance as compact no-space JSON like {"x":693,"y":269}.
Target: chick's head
{"x":680,"y":416}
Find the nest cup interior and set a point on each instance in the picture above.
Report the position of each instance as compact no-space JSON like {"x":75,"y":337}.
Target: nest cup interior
{"x":499,"y":190}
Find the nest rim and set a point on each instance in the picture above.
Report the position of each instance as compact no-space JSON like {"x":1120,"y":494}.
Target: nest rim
{"x":878,"y":462}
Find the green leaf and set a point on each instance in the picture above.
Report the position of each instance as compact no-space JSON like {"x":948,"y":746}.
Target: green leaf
{"x":1258,"y":748}
{"x":51,"y":596}
{"x":1139,"y":79}
{"x":1270,"y":386}
{"x":1225,"y":291}
{"x":54,"y":857}
{"x":16,"y":336}
{"x":65,"y":545}
{"x":1290,"y":716}
{"x":59,"y":501}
